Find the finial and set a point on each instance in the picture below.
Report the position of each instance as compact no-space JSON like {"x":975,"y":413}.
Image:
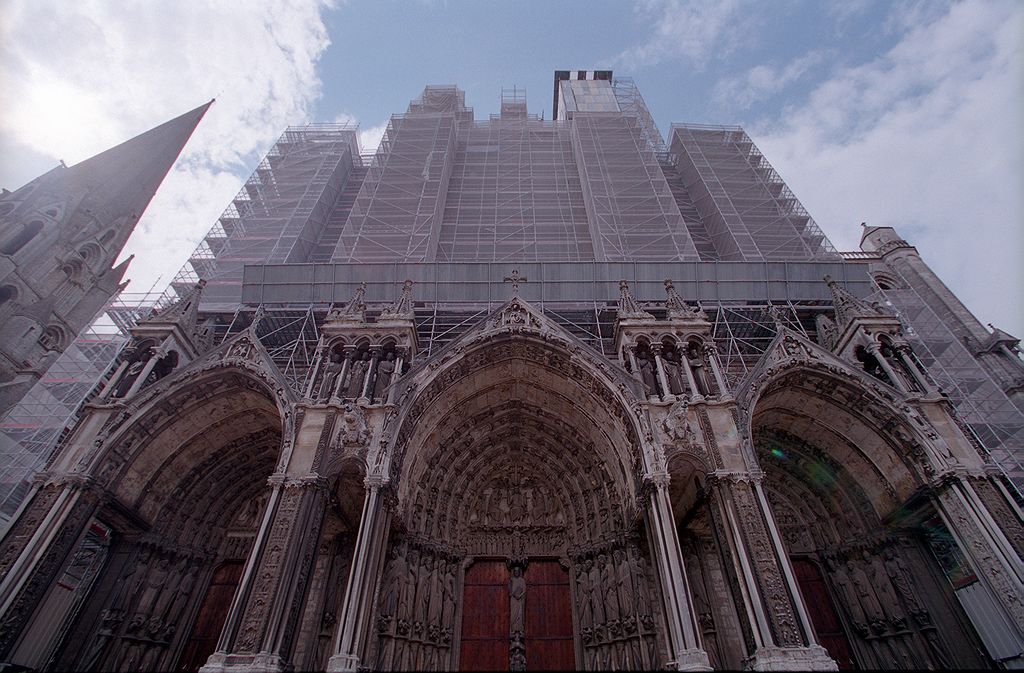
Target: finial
{"x":629,"y":308}
{"x":402,"y":309}
{"x":354,"y":310}
{"x":677,"y":308}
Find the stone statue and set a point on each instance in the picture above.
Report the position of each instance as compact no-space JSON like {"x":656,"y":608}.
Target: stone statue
{"x":673,"y":365}
{"x":646,"y":364}
{"x":596,"y":599}
{"x":393,"y":583}
{"x":153,"y":586}
{"x":584,"y":590}
{"x":448,"y":609}
{"x":623,"y":583}
{"x":353,"y":430}
{"x":639,"y":572}
{"x":181,"y":596}
{"x":331,"y":372}
{"x":901,"y":581}
{"x":130,"y":374}
{"x":884,"y":589}
{"x":677,"y":426}
{"x":517,"y":601}
{"x":842,"y":582}
{"x":695,"y":359}
{"x":611,"y":599}
{"x":385,"y":370}
{"x":865,"y":593}
{"x":357,"y":375}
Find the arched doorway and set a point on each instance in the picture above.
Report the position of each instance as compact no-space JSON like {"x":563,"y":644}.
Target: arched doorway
{"x":187,"y":478}
{"x":845,"y":489}
{"x":517,"y":540}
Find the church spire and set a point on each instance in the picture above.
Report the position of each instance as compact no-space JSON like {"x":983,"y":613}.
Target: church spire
{"x":122,"y":180}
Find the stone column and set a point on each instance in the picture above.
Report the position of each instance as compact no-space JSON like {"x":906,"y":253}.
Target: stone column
{"x":685,"y":649}
{"x":34,"y":549}
{"x":903,"y":353}
{"x":318,"y":366}
{"x":259,"y":637}
{"x":113,"y":380}
{"x":990,"y":554}
{"x":711,"y":356}
{"x":346,"y":356}
{"x":144,"y":374}
{"x":370,"y":372}
{"x":684,"y":362}
{"x":666,"y":393}
{"x":772,"y":604}
{"x":399,"y":363}
{"x":633,"y":363}
{"x":355,"y":613}
{"x":896,"y":379}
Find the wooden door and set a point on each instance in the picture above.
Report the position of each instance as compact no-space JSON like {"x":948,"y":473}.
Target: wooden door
{"x":823,"y":614}
{"x":485,"y":617}
{"x":548,"y":618}
{"x":213,"y":612}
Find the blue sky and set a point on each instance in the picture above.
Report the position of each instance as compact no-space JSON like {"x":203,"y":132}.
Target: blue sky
{"x":898,"y":113}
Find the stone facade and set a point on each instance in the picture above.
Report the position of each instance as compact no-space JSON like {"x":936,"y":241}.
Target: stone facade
{"x":817,"y":515}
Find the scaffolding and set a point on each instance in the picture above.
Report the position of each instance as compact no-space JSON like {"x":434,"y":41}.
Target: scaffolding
{"x":32,"y":429}
{"x":748,"y":211}
{"x":991,"y":416}
{"x":281,"y":212}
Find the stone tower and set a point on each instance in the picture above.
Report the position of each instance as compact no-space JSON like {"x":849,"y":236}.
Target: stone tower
{"x":60,"y":236}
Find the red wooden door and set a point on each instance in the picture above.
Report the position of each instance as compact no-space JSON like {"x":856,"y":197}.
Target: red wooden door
{"x":549,"y":644}
{"x":485,"y":613}
{"x":823,"y":613}
{"x":202,"y":641}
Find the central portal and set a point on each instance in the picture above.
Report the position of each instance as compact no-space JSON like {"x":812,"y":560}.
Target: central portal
{"x":516,"y":620}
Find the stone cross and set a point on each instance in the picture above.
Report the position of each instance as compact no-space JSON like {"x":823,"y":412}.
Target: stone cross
{"x":515,"y":279}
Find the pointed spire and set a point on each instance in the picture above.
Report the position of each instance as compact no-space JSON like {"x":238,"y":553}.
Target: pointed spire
{"x":122,"y":180}
{"x":677,"y":308}
{"x":847,"y":306}
{"x":402,"y":309}
{"x":184,"y":311}
{"x":828,"y":333}
{"x":629,"y":309}
{"x":353,"y":311}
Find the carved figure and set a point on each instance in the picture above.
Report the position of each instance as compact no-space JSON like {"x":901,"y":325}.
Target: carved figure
{"x":385,"y":370}
{"x":676,"y":425}
{"x":353,"y":430}
{"x":639,"y":573}
{"x":673,"y":372}
{"x":331,"y":372}
{"x":596,"y":599}
{"x":901,"y":581}
{"x":132,"y":373}
{"x":611,"y":599}
{"x":517,"y":600}
{"x":623,"y":582}
{"x":394,"y":582}
{"x":584,"y":590}
{"x":646,"y":364}
{"x":153,"y":586}
{"x":865,"y":593}
{"x":695,"y":360}
{"x":357,"y":375}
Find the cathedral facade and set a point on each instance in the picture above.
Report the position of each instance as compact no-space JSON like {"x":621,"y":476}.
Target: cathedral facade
{"x":645,"y":417}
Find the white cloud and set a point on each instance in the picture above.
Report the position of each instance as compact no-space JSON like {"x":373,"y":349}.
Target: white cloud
{"x":925,"y":138}
{"x":762,"y":81}
{"x":369,"y":139}
{"x":691,"y":29}
{"x":81,"y":77}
